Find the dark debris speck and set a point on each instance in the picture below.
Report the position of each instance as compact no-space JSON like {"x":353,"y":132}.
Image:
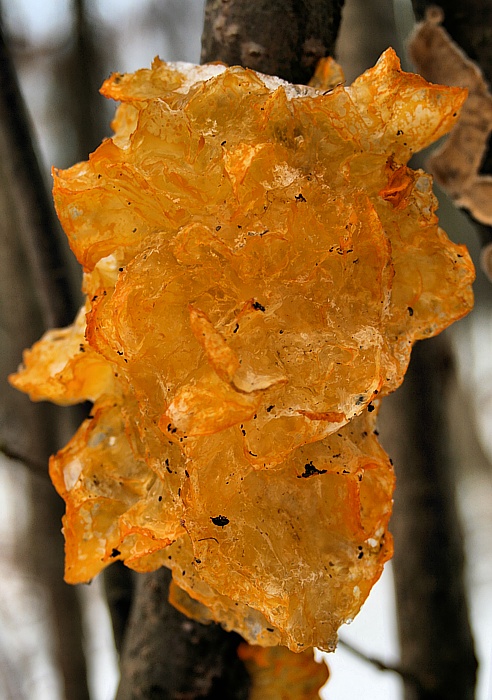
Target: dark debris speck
{"x":310,"y":470}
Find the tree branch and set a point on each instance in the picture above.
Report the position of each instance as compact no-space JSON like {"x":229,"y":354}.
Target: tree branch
{"x":80,"y":74}
{"x":382,"y":665}
{"x":37,"y":225}
{"x":35,"y":293}
{"x":119,"y":586}
{"x":278,"y":37}
{"x":45,"y":561}
{"x":166,"y":655}
{"x":435,"y":636}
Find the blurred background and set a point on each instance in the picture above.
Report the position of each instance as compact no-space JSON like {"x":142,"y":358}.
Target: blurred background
{"x":63,"y":50}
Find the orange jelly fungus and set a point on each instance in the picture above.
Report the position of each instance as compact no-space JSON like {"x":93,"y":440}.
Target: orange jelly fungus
{"x":277,"y":674}
{"x":258,"y":261}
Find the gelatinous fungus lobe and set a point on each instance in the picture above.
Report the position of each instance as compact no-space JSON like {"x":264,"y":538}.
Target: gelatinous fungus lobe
{"x":279,"y":675}
{"x":258,"y":261}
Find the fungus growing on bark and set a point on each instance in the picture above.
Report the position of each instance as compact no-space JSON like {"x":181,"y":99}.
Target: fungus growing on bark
{"x":277,"y":674}
{"x":258,"y":261}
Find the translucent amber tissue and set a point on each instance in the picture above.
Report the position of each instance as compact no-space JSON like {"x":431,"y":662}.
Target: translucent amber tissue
{"x":258,"y":261}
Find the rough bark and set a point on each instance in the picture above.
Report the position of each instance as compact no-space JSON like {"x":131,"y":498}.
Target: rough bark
{"x":277,"y":37}
{"x":436,"y":642}
{"x":166,"y":655}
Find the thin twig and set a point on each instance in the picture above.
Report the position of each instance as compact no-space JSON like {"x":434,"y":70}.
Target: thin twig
{"x":34,"y":465}
{"x":408,"y":676}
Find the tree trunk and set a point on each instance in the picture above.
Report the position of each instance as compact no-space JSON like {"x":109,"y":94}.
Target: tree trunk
{"x":435,"y":636}
{"x":165,"y":654}
{"x":278,"y":37}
